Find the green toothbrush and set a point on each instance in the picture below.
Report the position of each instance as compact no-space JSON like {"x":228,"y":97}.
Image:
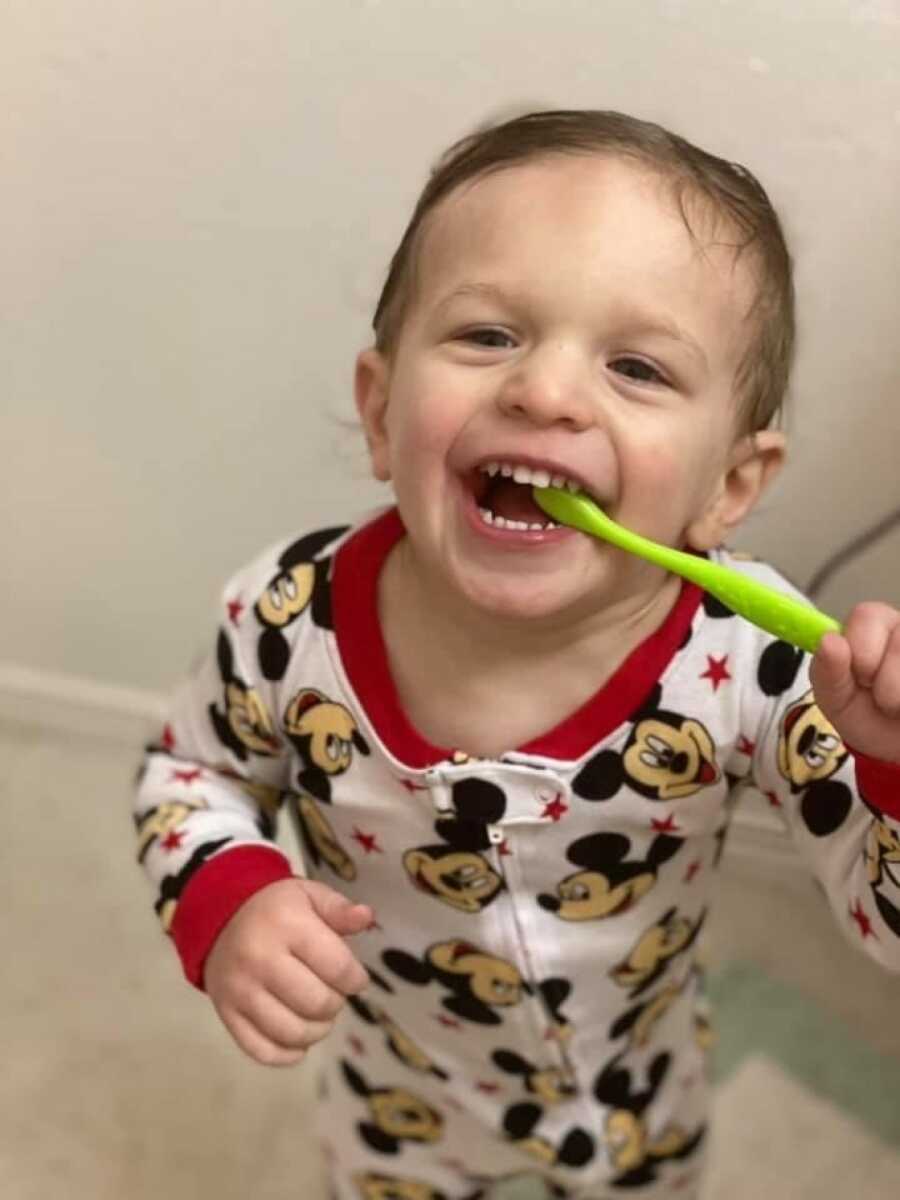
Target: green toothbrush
{"x":789,"y":619}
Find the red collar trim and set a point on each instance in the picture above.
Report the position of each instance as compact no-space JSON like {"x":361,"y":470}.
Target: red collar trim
{"x":357,"y":566}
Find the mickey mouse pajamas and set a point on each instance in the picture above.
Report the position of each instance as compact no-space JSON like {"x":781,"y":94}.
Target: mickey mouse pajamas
{"x":535,"y":1007}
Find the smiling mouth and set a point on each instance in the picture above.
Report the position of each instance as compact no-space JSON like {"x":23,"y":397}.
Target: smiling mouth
{"x":503,"y":492}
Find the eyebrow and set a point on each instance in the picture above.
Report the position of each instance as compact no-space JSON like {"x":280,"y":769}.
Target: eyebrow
{"x":637,"y":320}
{"x":484,"y":291}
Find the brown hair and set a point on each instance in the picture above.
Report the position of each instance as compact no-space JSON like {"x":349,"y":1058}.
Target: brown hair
{"x":729,"y":189}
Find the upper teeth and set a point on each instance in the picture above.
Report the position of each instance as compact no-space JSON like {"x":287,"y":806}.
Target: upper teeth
{"x":526,"y":475}
{"x":537,"y":478}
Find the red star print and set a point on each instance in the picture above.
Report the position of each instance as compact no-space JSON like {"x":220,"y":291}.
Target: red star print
{"x":172,"y":841}
{"x":669,"y":825}
{"x":447,"y":1022}
{"x":489,"y":1089}
{"x":355,"y":1044}
{"x":716,"y":671}
{"x":168,"y":738}
{"x":692,"y":871}
{"x":773,"y":800}
{"x":745,"y":746}
{"x":555,"y":808}
{"x":368,"y":841}
{"x":865,"y":925}
{"x":503,"y":849}
{"x":189,"y":776}
{"x":413,"y":787}
{"x":235,"y":608}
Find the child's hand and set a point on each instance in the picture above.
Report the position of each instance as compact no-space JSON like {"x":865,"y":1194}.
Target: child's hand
{"x":280,"y":970}
{"x":856,"y":680}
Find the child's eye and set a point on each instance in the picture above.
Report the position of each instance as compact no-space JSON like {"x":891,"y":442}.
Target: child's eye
{"x":638,"y":370}
{"x":490,"y":339}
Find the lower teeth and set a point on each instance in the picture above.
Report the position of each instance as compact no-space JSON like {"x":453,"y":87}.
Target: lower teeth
{"x":497,"y":522}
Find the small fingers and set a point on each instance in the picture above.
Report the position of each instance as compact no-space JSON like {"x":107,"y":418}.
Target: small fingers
{"x":831,"y":674}
{"x":870,"y":628}
{"x":271,"y":1034}
{"x":257,"y":1046}
{"x":339,"y":913}
{"x":886,"y":685}
{"x":302,"y":992}
{"x":328,"y":957}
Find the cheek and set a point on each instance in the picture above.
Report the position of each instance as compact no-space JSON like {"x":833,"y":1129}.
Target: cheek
{"x":423,"y":425}
{"x":669,"y":477}
{"x":652,"y":479}
{"x":417,"y":410}
{"x":661,"y":463}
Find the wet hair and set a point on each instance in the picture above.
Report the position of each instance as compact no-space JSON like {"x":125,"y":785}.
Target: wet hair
{"x":725,"y":190}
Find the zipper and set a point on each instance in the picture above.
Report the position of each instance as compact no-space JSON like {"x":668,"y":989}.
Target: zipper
{"x":497,"y":836}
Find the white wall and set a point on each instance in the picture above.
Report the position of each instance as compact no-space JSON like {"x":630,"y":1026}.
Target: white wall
{"x":198,"y":203}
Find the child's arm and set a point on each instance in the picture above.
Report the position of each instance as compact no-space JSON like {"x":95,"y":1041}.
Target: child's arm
{"x":830,"y":760}
{"x":268,"y":947}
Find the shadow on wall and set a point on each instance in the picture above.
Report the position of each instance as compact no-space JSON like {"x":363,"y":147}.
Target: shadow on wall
{"x":852,"y":550}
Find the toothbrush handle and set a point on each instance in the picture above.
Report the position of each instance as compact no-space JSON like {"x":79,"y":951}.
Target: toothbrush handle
{"x":789,"y":619}
{"x":792,"y":620}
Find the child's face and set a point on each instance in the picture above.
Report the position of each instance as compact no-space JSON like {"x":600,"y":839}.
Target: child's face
{"x":562,"y":319}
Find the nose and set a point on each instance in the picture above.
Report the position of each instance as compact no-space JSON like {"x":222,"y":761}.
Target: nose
{"x":551,"y":386}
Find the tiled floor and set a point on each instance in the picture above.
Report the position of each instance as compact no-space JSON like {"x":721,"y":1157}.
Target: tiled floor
{"x":785,"y":1143}
{"x":118,"y":1082}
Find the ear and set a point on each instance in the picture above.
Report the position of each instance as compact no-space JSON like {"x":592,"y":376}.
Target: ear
{"x":370,"y":387}
{"x":753,"y":463}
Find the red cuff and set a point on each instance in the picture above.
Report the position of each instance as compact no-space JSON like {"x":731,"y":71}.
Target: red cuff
{"x":212,"y":896}
{"x":879,"y":784}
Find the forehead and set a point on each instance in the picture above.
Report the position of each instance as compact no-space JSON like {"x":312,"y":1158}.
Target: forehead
{"x":600,"y":223}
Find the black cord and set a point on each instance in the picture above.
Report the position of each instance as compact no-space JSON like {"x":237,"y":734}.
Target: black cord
{"x":851,"y":550}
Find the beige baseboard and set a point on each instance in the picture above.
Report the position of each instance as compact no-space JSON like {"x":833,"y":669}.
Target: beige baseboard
{"x":73,"y":706}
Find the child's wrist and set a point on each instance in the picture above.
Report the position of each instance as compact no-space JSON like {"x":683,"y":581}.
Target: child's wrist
{"x":214,"y":894}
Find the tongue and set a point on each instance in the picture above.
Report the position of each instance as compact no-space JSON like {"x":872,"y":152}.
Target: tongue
{"x":515,"y":502}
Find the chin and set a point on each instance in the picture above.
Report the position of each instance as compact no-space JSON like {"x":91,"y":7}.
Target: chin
{"x":523,"y":601}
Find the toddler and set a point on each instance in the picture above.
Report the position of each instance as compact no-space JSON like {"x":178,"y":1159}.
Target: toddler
{"x":512,"y":752}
